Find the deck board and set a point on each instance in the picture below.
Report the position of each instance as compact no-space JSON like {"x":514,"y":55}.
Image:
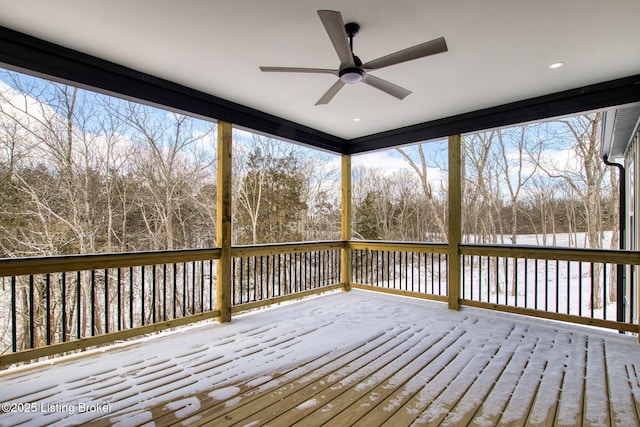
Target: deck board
{"x":354,"y":358}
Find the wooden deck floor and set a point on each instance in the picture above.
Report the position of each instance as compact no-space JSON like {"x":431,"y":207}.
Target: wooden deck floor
{"x":353,"y":358}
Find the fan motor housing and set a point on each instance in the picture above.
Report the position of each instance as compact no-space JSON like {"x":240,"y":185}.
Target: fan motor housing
{"x":351,"y":75}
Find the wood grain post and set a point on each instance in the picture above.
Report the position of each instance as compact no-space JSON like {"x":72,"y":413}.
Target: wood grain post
{"x":223,"y":230}
{"x":455,"y":221}
{"x":345,"y":227}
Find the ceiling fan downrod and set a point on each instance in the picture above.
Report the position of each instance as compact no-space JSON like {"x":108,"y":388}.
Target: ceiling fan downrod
{"x":352,"y":30}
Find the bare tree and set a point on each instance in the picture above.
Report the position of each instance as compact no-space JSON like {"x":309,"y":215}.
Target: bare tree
{"x":583,"y":136}
{"x":170,"y":165}
{"x":422,"y":171}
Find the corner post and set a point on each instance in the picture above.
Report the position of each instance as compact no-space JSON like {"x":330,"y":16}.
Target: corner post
{"x":345,"y":223}
{"x":455,"y":220}
{"x":223,"y":230}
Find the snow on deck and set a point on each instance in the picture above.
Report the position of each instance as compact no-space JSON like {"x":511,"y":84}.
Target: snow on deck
{"x":346,"y":358}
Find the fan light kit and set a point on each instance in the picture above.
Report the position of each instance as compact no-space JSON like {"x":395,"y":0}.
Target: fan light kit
{"x":352,"y":70}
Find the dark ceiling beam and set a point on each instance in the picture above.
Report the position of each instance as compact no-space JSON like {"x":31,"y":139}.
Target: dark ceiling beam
{"x":35,"y":56}
{"x":588,"y":98}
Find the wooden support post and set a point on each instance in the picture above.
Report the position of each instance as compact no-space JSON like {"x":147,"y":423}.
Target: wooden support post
{"x":223,"y":230}
{"x":345,"y":235}
{"x":455,"y":220}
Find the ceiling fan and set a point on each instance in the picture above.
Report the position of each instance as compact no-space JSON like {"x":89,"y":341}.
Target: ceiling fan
{"x":352,"y":70}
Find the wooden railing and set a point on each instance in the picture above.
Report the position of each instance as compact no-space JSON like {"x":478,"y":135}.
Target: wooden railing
{"x":566,"y":284}
{"x":58,"y":304}
{"x":411,"y":269}
{"x":53,"y":305}
{"x":266,"y":274}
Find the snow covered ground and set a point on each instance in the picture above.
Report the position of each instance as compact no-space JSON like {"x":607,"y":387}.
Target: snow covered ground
{"x":426,"y":364}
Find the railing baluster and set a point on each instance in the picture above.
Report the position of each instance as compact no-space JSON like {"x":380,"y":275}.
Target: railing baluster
{"x":497,"y":273}
{"x":471,"y":277}
{"x":395,"y":271}
{"x":515,"y":281}
{"x":240,"y":282}
{"x":268,"y":275}
{"x":193,"y":287}
{"x":605,"y":298}
{"x":280,"y":275}
{"x":292,"y":280}
{"x":31,"y":313}
{"x":580,"y":290}
{"x":406,"y":271}
{"x":535,"y":285}
{"x":446,"y":267}
{"x":506,"y":281}
{"x":175,"y":290}
{"x":236,"y":275}
{"x":463,"y":283}
{"x":153,"y":293}
{"x":211,"y":307}
{"x":164,"y":292}
{"x":525,"y":261}
{"x":488,"y":279}
{"x":420,"y":272}
{"x":254,"y":261}
{"x":261,"y":278}
{"x":366,"y":267}
{"x":63,"y":293}
{"x":106,"y":301}
{"x":202,"y":286}
{"x":47,"y":284}
{"x":14,"y":320}
{"x":479,"y":278}
{"x":92,"y":303}
{"x":274,"y":285}
{"x":557,"y":286}
{"x":593,"y":290}
{"x":184,"y":289}
{"x":131,"y":294}
{"x":546,"y":285}
{"x":119,"y":293}
{"x":568,"y":287}
{"x":433,"y":270}
{"x":78,"y":313}
{"x":142,"y":295}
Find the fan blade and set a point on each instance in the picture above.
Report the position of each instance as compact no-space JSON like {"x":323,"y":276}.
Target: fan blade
{"x":387,"y":87}
{"x":334,"y":25}
{"x":409,"y":54}
{"x":298,"y":70}
{"x":328,"y":95}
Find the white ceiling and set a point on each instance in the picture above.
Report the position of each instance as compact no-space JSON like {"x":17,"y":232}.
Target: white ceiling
{"x":499,"y":50}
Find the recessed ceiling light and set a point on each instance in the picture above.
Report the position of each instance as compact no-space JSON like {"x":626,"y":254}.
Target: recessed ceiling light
{"x":556,"y":65}
{"x":356,"y":119}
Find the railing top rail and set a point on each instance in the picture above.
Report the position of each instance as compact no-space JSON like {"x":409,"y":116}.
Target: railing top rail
{"x":613,"y":256}
{"x":64,"y":263}
{"x":386,"y":245}
{"x":283,"y":248}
